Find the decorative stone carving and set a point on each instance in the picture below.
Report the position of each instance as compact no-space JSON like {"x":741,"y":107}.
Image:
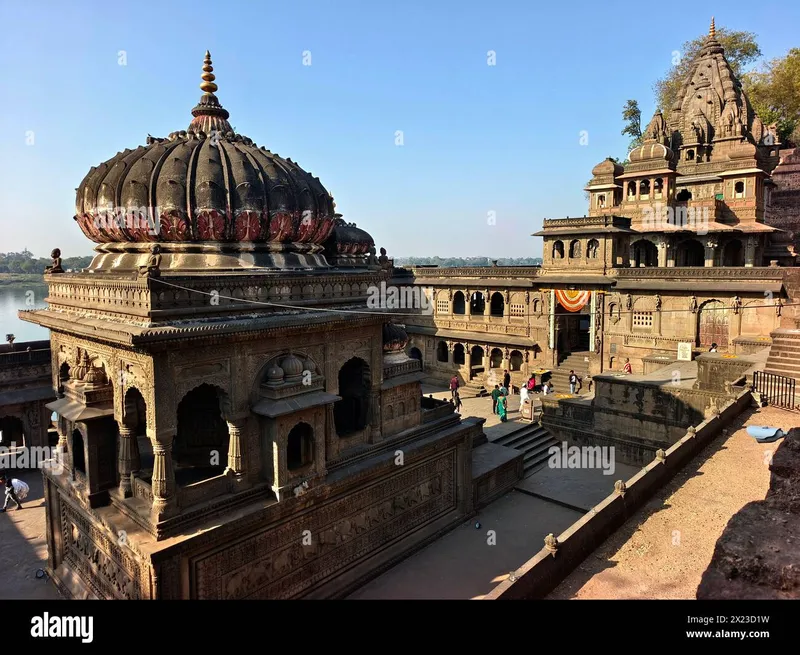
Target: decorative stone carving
{"x":153,"y":266}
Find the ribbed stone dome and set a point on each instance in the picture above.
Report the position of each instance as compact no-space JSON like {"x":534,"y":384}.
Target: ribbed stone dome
{"x":347,"y":239}
{"x":207,"y":189}
{"x":395,"y":338}
{"x":292,"y":366}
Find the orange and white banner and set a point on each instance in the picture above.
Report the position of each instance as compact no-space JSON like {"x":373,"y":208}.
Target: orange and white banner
{"x":572,"y":301}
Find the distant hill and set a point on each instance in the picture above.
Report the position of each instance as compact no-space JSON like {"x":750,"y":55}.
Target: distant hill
{"x":453,"y":262}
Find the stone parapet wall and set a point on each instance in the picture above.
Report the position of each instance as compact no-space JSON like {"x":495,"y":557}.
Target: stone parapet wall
{"x":552,"y":564}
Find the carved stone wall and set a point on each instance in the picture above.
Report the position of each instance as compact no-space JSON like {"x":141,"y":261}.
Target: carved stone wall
{"x":400,"y":408}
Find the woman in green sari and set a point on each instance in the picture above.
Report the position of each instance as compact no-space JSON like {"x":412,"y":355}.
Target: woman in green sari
{"x":501,"y":408}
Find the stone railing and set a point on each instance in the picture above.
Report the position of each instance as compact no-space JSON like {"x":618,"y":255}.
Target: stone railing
{"x":39,"y":353}
{"x":404,"y":368}
{"x":142,"y":489}
{"x":561,"y":555}
{"x":581,"y":221}
{"x":706,"y":273}
{"x":483,"y":272}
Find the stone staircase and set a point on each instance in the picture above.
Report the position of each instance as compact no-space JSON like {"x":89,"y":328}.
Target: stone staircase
{"x":534,"y":441}
{"x":560,"y":375}
{"x":472,"y":388}
{"x":784,"y":353}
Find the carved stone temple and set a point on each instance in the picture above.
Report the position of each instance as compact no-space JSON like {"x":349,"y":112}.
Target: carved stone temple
{"x":691,"y":243}
{"x":235,"y":423}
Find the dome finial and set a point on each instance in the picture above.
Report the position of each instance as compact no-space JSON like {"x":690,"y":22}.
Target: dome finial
{"x":208,"y":77}
{"x":712,"y":31}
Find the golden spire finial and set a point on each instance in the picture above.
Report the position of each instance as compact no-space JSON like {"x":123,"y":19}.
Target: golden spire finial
{"x":712,"y":31}
{"x":208,"y":77}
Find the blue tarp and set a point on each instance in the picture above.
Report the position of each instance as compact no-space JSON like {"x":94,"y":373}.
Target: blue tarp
{"x":764,"y":434}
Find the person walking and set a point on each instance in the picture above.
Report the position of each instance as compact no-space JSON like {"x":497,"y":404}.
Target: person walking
{"x":16,"y":490}
{"x":627,"y":368}
{"x":501,"y":408}
{"x":457,"y":401}
{"x":573,"y":382}
{"x":507,"y":379}
{"x":546,"y":388}
{"x":453,"y":387}
{"x":495,"y":396}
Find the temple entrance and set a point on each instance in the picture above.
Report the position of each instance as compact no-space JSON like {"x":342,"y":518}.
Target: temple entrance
{"x":476,"y":362}
{"x":712,"y":325}
{"x":572,"y":332}
{"x":351,"y":413}
{"x":200,"y":450}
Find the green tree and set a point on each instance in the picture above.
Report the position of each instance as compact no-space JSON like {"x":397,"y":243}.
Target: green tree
{"x":632,"y":117}
{"x":741,"y":50}
{"x":774,"y":91}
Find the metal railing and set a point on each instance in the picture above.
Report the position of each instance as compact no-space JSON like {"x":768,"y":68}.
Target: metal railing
{"x":777,"y":390}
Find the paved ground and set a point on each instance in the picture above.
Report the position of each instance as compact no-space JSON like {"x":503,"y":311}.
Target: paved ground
{"x":23,"y":548}
{"x":663,"y":550}
{"x":463,"y":564}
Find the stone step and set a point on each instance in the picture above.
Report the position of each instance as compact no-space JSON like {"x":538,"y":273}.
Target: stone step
{"x":534,"y":460}
{"x":791,"y":362}
{"x":522,"y":439}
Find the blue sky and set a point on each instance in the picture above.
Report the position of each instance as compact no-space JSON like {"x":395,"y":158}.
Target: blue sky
{"x":476,"y":138}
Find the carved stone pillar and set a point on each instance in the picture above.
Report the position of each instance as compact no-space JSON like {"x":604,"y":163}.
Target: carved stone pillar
{"x":449,"y":345}
{"x":163,"y":481}
{"x":128,"y":459}
{"x":711,"y":251}
{"x":750,"y":252}
{"x":235,"y":468}
{"x":662,"y":252}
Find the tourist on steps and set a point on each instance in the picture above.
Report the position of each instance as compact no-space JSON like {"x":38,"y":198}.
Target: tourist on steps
{"x":495,"y":396}
{"x":627,"y":368}
{"x":453,"y":387}
{"x":573,"y":382}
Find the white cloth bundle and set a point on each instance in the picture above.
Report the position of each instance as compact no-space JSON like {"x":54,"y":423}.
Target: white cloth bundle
{"x":20,"y":488}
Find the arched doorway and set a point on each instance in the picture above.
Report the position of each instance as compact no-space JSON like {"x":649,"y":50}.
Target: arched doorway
{"x":733,"y":254}
{"x":300,"y":447}
{"x":135,"y":418}
{"x":415,"y":353}
{"x":351,"y":413}
{"x":441,"y":352}
{"x":477,"y":304}
{"x":496,"y":358}
{"x":200,"y":450}
{"x":690,"y":253}
{"x":516,"y":360}
{"x":497,"y":304}
{"x":458,"y":303}
{"x":11,"y":432}
{"x":645,"y":254}
{"x":475,"y":361}
{"x":712,"y":325}
{"x":459,"y":358}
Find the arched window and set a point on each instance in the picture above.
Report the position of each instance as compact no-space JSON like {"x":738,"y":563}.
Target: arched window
{"x":575,"y":249}
{"x":690,"y":253}
{"x":658,"y":188}
{"x":415,"y":353}
{"x":516,"y":360}
{"x":497,"y":304}
{"x":537,"y":306}
{"x":689,"y":155}
{"x":441,"y":352}
{"x":477,"y":304}
{"x":351,"y":413}
{"x":458,"y":303}
{"x":200,"y":449}
{"x":496,"y":358}
{"x":644,"y":189}
{"x":300,"y":447}
{"x":601,"y":200}
{"x":645,"y":254}
{"x":738,"y":190}
{"x":592,"y":248}
{"x":78,"y":452}
{"x":631,"y":190}
{"x":733,"y":253}
{"x":458,"y":354}
{"x":558,"y":250}
{"x":476,"y":356}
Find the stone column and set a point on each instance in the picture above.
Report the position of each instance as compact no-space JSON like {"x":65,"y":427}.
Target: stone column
{"x":631,"y":256}
{"x":63,"y":445}
{"x":450,"y":346}
{"x":487,"y":305}
{"x":128,"y":460}
{"x":163,"y":481}
{"x":662,"y":252}
{"x":235,"y":468}
{"x":750,"y":252}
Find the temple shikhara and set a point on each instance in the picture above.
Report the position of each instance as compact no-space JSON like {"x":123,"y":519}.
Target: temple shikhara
{"x":238,"y":391}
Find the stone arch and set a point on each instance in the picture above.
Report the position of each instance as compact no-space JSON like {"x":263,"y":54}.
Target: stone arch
{"x":351,"y":414}
{"x":200,"y":448}
{"x":712,"y":324}
{"x":415,"y":353}
{"x":690,"y":252}
{"x":12,"y":430}
{"x":441,"y":352}
{"x":300,"y":447}
{"x":558,"y":250}
{"x":459,"y":356}
{"x":575,"y":249}
{"x":515,"y":360}
{"x":459,"y":303}
{"x":78,"y":449}
{"x":309,"y":365}
{"x":496,"y":358}
{"x":476,"y":356}
{"x":134,"y":410}
{"x":497,"y":304}
{"x":477,"y":303}
{"x":592,"y":248}
{"x":645,"y":254}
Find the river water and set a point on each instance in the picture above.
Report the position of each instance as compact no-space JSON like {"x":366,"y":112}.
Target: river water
{"x":16,"y":297}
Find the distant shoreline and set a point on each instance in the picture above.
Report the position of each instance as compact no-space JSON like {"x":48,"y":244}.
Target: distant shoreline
{"x":18,"y":279}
